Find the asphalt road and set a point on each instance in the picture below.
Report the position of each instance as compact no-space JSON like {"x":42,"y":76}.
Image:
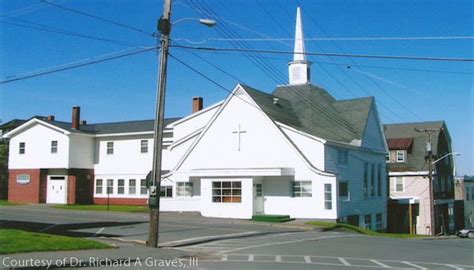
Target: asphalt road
{"x":272,"y":248}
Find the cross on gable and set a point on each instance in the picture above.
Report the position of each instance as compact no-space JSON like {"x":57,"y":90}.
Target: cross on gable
{"x":239,"y":132}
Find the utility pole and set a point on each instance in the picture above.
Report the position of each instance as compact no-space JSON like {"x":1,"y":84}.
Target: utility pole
{"x":164,"y":27}
{"x":429,"y":151}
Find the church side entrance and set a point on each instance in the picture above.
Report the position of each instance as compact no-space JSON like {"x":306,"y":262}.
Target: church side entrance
{"x":258,"y":199}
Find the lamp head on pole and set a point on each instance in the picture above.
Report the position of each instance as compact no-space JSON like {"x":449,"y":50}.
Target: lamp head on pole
{"x":207,"y":22}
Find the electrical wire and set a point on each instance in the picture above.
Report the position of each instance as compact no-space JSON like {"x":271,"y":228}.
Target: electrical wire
{"x":97,"y":18}
{"x":64,"y":67}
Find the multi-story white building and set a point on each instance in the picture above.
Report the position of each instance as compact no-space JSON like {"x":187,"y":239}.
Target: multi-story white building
{"x":297,"y":152}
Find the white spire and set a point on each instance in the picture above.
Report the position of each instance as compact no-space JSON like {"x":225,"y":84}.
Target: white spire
{"x":299,"y":41}
{"x":298,"y":69}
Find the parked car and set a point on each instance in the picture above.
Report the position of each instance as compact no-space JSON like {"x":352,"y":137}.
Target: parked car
{"x":467,"y":232}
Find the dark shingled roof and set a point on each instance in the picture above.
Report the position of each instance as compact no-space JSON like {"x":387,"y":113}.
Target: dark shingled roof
{"x":313,"y":110}
{"x":112,"y":128}
{"x":416,"y":158}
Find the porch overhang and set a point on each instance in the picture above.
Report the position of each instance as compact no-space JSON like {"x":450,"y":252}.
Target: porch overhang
{"x":406,"y":200}
{"x":242,"y":172}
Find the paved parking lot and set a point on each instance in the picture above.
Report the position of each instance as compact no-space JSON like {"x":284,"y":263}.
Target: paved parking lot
{"x":234,"y":244}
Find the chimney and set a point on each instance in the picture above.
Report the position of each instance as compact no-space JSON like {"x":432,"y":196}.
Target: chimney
{"x":197,"y":104}
{"x":50,"y":118}
{"x":83,"y":122}
{"x":76,"y":117}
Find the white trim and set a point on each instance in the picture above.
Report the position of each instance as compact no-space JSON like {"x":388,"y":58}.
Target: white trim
{"x":125,"y":134}
{"x":408,"y":173}
{"x":282,"y":133}
{"x":395,"y":184}
{"x":242,"y":172}
{"x":27,"y":124}
{"x":187,"y":137}
{"x":301,"y":132}
{"x":396,"y":156}
{"x":195,"y":114}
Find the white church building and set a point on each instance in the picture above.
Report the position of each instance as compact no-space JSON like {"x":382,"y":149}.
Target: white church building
{"x":297,"y":151}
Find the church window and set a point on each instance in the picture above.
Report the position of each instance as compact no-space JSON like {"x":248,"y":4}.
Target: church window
{"x":184,"y":189}
{"x":166,"y":191}
{"x":98,"y":186}
{"x":121,"y":186}
{"x":344,"y":191}
{"x":302,"y":189}
{"x":144,"y":146}
{"x":110,"y":148}
{"x":110,"y":186}
{"x":342,"y":157}
{"x":226,"y":191}
{"x":327,"y":196}
{"x":132,"y":186}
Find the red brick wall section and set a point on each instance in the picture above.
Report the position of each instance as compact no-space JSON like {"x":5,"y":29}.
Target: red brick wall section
{"x":71,"y":189}
{"x":24,"y":193}
{"x":121,"y":201}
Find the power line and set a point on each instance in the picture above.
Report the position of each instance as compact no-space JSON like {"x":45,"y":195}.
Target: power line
{"x":24,"y":10}
{"x":45,"y":28}
{"x":392,"y":57}
{"x":72,"y":66}
{"x":97,"y":18}
{"x":350,"y":38}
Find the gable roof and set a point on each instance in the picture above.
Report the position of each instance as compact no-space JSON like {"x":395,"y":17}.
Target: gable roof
{"x":415,"y":160}
{"x":108,"y":128}
{"x":313,"y":110}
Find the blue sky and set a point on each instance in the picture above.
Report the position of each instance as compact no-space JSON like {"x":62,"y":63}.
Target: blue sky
{"x":124,"y":89}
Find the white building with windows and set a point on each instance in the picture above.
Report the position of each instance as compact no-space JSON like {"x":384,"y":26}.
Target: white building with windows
{"x":297,"y":151}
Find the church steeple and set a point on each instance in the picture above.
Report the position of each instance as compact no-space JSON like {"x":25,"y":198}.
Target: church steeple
{"x":299,"y":69}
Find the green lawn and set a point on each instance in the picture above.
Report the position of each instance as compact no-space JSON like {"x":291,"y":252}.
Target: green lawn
{"x":330,"y":226}
{"x":16,"y":241}
{"x":97,"y":207}
{"x":5,"y":202}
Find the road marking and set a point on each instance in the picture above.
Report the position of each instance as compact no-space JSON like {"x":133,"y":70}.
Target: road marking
{"x":381,"y":264}
{"x":251,"y":258}
{"x":414,"y":265}
{"x":277,"y":258}
{"x":289,"y":242}
{"x":49,"y":227}
{"x":343,"y":261}
{"x":307,"y":259}
{"x":99,"y":231}
{"x":455,"y":267}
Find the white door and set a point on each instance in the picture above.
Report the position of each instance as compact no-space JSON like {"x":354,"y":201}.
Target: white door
{"x":258,"y":200}
{"x":56,"y":190}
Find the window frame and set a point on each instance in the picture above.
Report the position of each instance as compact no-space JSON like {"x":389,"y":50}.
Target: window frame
{"x":233,"y":188}
{"x":110,"y":188}
{"x":402,"y":152}
{"x":327,"y":197}
{"x":402,"y":183}
{"x":120,"y":188}
{"x":299,"y":191}
{"x":186,"y":187}
{"x":22,"y":148}
{"x":143,"y":187}
{"x":110,"y":148}
{"x":143,"y":146}
{"x":134,"y":186}
{"x":54,"y":147}
{"x":347,"y":197}
{"x":101,"y":186}
{"x":23,"y":181}
{"x":166,"y":191}
{"x":379,"y":223}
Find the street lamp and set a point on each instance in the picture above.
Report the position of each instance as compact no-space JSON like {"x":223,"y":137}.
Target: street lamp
{"x":206,"y":22}
{"x":448,"y":154}
{"x":164,"y":27}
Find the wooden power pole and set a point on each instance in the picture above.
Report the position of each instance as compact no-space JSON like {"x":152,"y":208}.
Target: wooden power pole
{"x":164,"y":27}
{"x":429,"y":152}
